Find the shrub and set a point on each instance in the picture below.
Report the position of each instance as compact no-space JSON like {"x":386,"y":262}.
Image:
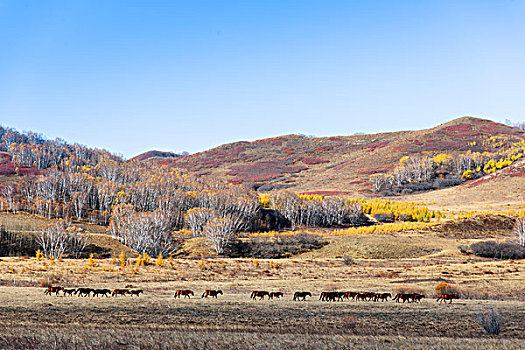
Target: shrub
{"x":464,"y":248}
{"x":446,"y":288}
{"x":160,"y":260}
{"x":444,"y":182}
{"x":385,"y":217}
{"x":491,"y":321}
{"x":122,"y":257}
{"x":495,"y":250}
{"x":408,"y":289}
{"x":347,"y":260}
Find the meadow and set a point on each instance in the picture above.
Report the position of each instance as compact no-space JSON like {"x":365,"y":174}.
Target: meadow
{"x":156,"y":320}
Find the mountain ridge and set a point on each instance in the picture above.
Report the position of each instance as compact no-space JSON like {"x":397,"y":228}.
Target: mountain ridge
{"x":334,"y":163}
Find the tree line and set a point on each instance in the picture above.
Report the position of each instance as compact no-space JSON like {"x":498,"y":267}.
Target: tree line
{"x":142,"y":203}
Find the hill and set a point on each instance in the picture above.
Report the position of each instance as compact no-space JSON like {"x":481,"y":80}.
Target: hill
{"x":155,"y":156}
{"x":339,"y":164}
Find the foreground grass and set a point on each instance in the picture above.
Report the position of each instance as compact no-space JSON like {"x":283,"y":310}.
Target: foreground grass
{"x":31,"y":320}
{"x":165,"y":338}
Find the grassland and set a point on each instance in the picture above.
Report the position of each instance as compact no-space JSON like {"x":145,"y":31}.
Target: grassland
{"x":414,"y":260}
{"x":155,"y":320}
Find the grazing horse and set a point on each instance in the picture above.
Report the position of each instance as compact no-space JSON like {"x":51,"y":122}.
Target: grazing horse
{"x":211,"y":293}
{"x":185,"y":292}
{"x":120,"y":292}
{"x":350,"y":295}
{"x":69,"y":292}
{"x":84,"y":292}
{"x":103,"y":292}
{"x":447,"y":297}
{"x":136,"y":292}
{"x":382,"y":296}
{"x":50,"y":290}
{"x":416,"y":297}
{"x":259,"y":293}
{"x":275,"y":295}
{"x":303,"y":295}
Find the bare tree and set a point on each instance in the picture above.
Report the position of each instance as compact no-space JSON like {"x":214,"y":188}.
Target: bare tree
{"x":219,"y":232}
{"x":54,"y":240}
{"x":520,"y":230}
{"x":9,"y":193}
{"x":197,"y":218}
{"x":77,"y":243}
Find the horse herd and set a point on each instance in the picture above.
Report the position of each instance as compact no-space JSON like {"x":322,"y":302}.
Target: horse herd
{"x":298,"y":296}
{"x":86,"y":292}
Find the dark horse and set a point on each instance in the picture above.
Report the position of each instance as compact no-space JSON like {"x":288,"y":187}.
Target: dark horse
{"x":416,"y":297}
{"x":185,"y":292}
{"x":301,"y":295}
{"x":402,"y":296}
{"x":211,"y":293}
{"x":84,"y":292}
{"x":103,"y":292}
{"x":382,"y":296}
{"x":136,"y":292}
{"x":69,"y":292}
{"x":275,"y":295}
{"x":259,"y":293}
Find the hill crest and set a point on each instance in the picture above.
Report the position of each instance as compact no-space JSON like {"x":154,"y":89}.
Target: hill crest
{"x":336,"y":163}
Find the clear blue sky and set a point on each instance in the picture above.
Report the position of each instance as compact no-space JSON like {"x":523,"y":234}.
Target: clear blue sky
{"x":131,"y":76}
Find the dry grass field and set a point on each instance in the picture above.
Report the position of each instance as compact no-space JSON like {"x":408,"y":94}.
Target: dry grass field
{"x":156,"y":320}
{"x":404,"y":261}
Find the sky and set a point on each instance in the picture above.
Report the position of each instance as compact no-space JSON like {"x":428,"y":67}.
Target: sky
{"x":131,"y":76}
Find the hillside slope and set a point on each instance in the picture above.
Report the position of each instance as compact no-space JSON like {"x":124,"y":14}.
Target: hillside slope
{"x":341,"y":164}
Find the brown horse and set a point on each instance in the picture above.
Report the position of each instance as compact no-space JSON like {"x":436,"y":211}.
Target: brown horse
{"x":103,"y":292}
{"x":50,"y":290}
{"x":84,"y":292}
{"x":303,"y":295}
{"x":382,"y":296}
{"x":275,"y":295}
{"x":402,"y":296}
{"x":446,"y":297}
{"x":183,"y":292}
{"x":350,"y":295}
{"x":259,"y":293}
{"x":211,"y":293}
{"x":120,"y":292}
{"x":136,"y":292}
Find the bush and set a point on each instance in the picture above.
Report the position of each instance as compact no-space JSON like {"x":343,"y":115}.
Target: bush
{"x":446,"y":288}
{"x":464,"y":248}
{"x":495,"y":250}
{"x":441,"y":183}
{"x":408,"y":289}
{"x":491,"y":321}
{"x":385,"y":217}
{"x":347,"y":260}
